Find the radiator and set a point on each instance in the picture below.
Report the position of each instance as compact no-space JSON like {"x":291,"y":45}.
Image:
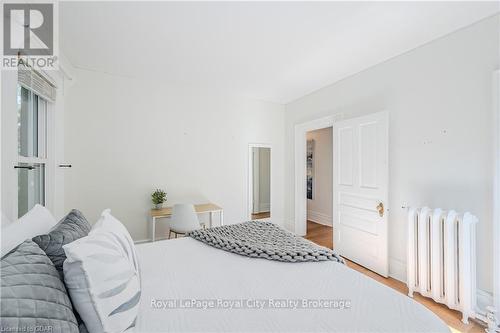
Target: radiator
{"x":442,"y":258}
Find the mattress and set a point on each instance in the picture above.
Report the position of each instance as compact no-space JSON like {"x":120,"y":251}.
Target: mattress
{"x":188,"y":286}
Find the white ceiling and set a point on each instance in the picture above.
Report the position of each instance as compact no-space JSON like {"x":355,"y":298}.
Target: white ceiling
{"x":274,"y":51}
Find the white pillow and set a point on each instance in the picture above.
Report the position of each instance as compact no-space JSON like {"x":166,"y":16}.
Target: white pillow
{"x":110,"y":223}
{"x":102,"y":279}
{"x":36,"y":222}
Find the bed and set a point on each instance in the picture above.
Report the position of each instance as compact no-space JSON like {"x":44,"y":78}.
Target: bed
{"x":183,"y":271}
{"x":77,"y":278}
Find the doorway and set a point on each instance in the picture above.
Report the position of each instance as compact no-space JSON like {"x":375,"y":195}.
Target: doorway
{"x":360,"y":186}
{"x":319,"y":178}
{"x":259,"y":182}
{"x":300,"y":192}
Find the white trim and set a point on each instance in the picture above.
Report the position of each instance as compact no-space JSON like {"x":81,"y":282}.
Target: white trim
{"x":32,"y":160}
{"x":250,"y":178}
{"x":397,"y":269}
{"x":484,"y":299}
{"x":300,"y":191}
{"x":50,"y":156}
{"x":148,"y":240}
{"x":46,"y":148}
{"x":320,"y":218}
{"x":496,"y":192}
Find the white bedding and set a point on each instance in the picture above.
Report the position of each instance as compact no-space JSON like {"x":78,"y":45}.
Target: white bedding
{"x":185,"y":269}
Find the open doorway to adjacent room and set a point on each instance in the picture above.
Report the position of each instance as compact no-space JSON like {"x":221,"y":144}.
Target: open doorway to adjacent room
{"x":319,"y":177}
{"x":259,"y":182}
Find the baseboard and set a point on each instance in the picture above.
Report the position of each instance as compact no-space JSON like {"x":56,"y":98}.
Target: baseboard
{"x":148,"y":240}
{"x":319,"y":218}
{"x":397,"y":269}
{"x":484,"y":299}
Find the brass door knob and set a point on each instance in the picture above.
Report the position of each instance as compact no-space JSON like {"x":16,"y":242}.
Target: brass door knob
{"x":380,"y":209}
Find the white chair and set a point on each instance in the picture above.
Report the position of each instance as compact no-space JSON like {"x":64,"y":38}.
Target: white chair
{"x":184,"y":219}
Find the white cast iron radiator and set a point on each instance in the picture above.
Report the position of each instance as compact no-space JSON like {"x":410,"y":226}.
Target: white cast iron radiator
{"x":442,"y":258}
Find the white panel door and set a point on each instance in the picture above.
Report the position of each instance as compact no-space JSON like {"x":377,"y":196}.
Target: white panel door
{"x":360,"y":187}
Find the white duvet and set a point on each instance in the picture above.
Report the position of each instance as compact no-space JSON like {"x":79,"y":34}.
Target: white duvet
{"x":188,"y":286}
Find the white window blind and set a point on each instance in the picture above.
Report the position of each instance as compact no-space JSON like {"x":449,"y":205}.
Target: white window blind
{"x":35,"y":82}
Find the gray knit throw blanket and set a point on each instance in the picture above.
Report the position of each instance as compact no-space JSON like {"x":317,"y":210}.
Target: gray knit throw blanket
{"x":264,"y":240}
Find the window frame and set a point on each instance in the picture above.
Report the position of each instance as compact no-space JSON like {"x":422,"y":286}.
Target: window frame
{"x":45,"y":125}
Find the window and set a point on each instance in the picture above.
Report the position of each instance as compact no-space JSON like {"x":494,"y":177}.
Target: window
{"x":31,"y":149}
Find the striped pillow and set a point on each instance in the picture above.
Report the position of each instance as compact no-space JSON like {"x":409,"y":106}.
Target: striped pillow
{"x":102,"y":278}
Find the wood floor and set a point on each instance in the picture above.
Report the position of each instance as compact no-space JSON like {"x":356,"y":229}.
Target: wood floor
{"x":323,"y":235}
{"x":263,"y":215}
{"x":320,"y":234}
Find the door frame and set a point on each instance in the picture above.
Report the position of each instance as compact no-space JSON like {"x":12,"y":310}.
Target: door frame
{"x":250,"y":177}
{"x":300,"y":147}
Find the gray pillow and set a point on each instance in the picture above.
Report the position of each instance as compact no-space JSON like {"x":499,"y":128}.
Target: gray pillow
{"x":72,"y":227}
{"x":32,"y":296}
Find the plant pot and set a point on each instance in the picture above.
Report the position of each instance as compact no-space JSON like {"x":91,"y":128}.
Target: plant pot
{"x":158,"y":206}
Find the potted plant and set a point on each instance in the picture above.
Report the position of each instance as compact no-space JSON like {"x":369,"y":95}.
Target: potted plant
{"x":158,"y":197}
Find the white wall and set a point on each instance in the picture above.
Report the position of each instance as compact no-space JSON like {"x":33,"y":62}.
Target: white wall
{"x":440,"y":104}
{"x":319,"y":209}
{"x":126,"y":137}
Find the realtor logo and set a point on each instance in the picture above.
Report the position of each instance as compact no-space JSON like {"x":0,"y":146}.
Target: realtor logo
{"x":28,"y":29}
{"x":29,"y":33}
